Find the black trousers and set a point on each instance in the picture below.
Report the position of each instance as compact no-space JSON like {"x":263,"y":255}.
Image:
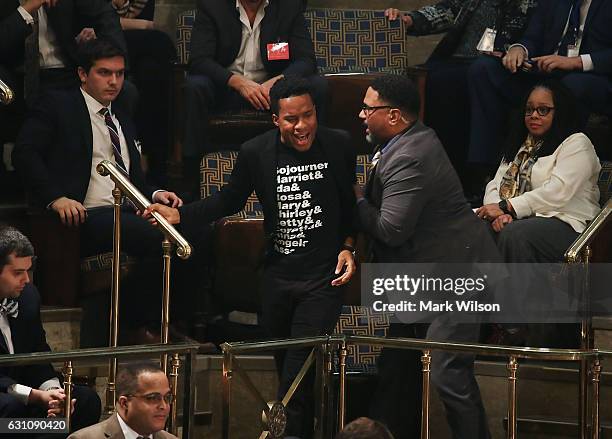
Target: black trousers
{"x":298,"y":308}
{"x":201,"y":96}
{"x":87,"y":410}
{"x":397,"y":398}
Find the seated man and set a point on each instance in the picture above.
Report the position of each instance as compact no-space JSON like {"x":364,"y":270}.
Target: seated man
{"x":414,"y":211}
{"x":447,"y":90}
{"x":30,"y":390}
{"x":57,"y":152}
{"x":570,"y":40}
{"x":235,"y":60}
{"x":143,"y":405}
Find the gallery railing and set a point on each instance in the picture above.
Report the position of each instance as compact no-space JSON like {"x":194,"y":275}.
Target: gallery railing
{"x":326,"y":349}
{"x":69,"y":358}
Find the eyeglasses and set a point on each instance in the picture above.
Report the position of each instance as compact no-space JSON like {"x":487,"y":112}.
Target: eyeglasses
{"x":368,"y":111}
{"x":542,"y":110}
{"x":154,"y":398}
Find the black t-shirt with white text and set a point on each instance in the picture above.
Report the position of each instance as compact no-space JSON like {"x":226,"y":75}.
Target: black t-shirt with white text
{"x":306,"y":239}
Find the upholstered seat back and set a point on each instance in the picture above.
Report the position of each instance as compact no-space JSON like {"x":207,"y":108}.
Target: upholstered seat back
{"x":605,"y":182}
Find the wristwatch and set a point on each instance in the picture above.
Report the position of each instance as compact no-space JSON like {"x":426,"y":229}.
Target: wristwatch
{"x":349,"y":248}
{"x":503,"y":205}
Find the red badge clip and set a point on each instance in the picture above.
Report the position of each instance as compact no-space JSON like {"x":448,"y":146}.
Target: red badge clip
{"x":277,"y":51}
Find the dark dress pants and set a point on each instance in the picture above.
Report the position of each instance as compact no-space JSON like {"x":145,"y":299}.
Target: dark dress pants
{"x":87,"y":410}
{"x":494,"y":91}
{"x":397,"y":399}
{"x":201,"y":96}
{"x":294,"y":308}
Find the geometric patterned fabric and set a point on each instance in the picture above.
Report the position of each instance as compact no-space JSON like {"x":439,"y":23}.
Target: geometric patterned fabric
{"x":605,"y":182}
{"x":345,"y":41}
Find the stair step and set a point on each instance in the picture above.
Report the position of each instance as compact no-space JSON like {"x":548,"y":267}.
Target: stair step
{"x":63,"y":327}
{"x":553,"y":428}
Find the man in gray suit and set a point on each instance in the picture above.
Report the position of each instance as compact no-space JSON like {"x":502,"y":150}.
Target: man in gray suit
{"x":414,"y":210}
{"x":143,"y":405}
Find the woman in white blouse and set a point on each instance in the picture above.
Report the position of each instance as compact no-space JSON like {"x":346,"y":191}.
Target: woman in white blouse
{"x":545,"y":190}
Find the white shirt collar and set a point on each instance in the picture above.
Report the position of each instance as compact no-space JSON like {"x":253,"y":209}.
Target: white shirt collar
{"x":264,"y":5}
{"x":128,"y":433}
{"x":93,"y":105}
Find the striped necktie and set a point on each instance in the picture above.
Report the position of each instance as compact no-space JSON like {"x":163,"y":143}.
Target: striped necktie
{"x":114,"y":135}
{"x":9,"y":307}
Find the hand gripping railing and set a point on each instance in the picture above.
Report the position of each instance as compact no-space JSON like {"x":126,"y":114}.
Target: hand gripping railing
{"x":580,"y":252}
{"x":6,"y":93}
{"x":274,"y":416}
{"x":123,"y":187}
{"x":188,"y":350}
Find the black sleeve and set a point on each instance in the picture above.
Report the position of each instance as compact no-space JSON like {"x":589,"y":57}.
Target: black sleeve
{"x":303,"y":62}
{"x":103,"y":19}
{"x":13,"y":32}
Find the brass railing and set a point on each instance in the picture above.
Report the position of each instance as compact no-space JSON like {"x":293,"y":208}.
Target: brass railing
{"x":6,"y":93}
{"x":580,"y":252}
{"x":123,"y":187}
{"x":335,"y":346}
{"x":69,"y":358}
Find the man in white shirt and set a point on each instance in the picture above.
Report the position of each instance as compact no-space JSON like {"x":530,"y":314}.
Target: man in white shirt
{"x":143,"y":405}
{"x":239,"y":49}
{"x":30,"y":390}
{"x":567,"y":39}
{"x":57,"y":152}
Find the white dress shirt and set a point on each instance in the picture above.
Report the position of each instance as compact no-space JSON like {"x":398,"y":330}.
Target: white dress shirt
{"x":248,"y":63}
{"x":49,"y":51}
{"x":20,"y":391}
{"x":128,"y":433}
{"x":99,"y":191}
{"x":564,"y":185}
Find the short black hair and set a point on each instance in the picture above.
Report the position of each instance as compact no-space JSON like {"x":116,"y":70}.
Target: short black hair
{"x":564,"y":124}
{"x":364,"y":428}
{"x":91,"y":51}
{"x":398,"y":91}
{"x":127,"y":378}
{"x":287,"y":87}
{"x":12,"y":241}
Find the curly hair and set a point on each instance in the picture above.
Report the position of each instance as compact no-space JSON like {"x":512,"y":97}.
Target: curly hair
{"x":398,"y":91}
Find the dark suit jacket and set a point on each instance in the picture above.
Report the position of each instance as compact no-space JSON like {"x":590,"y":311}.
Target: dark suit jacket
{"x":66,"y":19}
{"x":53,"y":152}
{"x":546,"y":27}
{"x":111,"y":429}
{"x":217,"y":33}
{"x":255,"y":169}
{"x":415,"y":210}
{"x":27,"y":335}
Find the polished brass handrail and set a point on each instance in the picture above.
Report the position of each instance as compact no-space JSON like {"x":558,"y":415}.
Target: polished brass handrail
{"x":106,"y":167}
{"x":189,"y":350}
{"x":340,"y":341}
{"x":586,"y":237}
{"x":6,"y":93}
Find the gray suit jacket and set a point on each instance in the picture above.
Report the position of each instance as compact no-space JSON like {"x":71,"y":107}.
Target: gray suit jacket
{"x":415,"y":210}
{"x":110,"y":429}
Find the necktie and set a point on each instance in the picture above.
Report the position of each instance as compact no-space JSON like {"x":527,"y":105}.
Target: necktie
{"x":114,"y":135}
{"x":9,"y":307}
{"x":31,"y":63}
{"x":573,"y":26}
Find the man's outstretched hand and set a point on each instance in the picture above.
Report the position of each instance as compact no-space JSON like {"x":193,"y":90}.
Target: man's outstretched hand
{"x":169,"y":213}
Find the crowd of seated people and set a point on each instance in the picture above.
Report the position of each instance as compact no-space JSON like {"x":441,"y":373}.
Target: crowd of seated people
{"x":73,"y":111}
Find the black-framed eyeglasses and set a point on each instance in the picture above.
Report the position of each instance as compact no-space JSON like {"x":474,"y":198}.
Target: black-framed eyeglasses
{"x":154,"y":398}
{"x":367,"y":110}
{"x":542,"y":110}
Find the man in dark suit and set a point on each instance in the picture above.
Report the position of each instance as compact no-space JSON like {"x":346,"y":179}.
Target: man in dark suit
{"x":302,"y":175}
{"x":568,"y":39}
{"x":239,"y":49}
{"x":143,"y":405}
{"x":65,"y":137}
{"x":30,"y":390}
{"x":414,"y":211}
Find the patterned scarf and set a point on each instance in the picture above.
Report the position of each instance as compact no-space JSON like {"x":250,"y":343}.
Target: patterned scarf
{"x":517,"y":179}
{"x":9,"y":307}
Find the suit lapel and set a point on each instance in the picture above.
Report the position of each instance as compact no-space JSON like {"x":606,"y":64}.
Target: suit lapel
{"x":561,"y":15}
{"x":595,"y":4}
{"x":84,"y":123}
{"x":268,"y":166}
{"x":112,"y":429}
{"x":268,"y":27}
{"x":129,"y":136}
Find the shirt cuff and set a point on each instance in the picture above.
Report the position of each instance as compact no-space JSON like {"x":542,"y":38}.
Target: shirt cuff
{"x":21,"y":392}
{"x":26,"y":15}
{"x":587,"y":63}
{"x":521,"y":207}
{"x":50,"y":384}
{"x":520,"y":45}
{"x":154,"y":192}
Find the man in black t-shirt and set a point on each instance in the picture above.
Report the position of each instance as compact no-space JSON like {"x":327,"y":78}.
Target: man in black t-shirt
{"x":303,"y":176}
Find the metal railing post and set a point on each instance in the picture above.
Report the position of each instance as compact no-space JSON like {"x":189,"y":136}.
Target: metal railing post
{"x":586,"y":343}
{"x":512,"y":368}
{"x":596,"y":375}
{"x":165,"y":322}
{"x":342,"y":385}
{"x":176,"y":363}
{"x":426,"y":360}
{"x":227,"y":391}
{"x":68,"y":392}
